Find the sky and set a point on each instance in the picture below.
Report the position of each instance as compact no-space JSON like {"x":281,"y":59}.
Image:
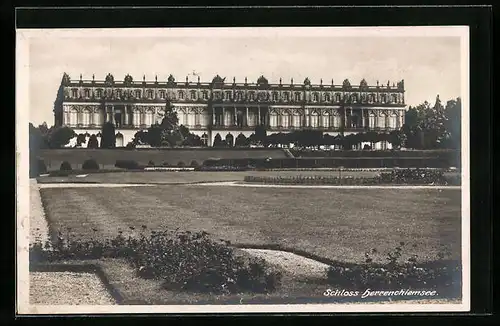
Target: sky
{"x":429,"y":64}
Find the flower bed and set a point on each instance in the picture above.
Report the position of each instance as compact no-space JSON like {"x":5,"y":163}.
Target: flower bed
{"x":180,"y":260}
{"x":403,"y":176}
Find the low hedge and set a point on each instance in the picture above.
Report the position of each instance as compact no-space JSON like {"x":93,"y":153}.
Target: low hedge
{"x":127,"y":164}
{"x":226,"y":168}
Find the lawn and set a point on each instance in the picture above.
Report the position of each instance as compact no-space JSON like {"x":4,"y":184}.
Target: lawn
{"x":337,"y":224}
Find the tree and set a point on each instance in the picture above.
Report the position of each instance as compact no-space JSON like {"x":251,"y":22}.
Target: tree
{"x":260,"y":133}
{"x":60,"y":136}
{"x":218,"y":141}
{"x":170,"y":120}
{"x":453,"y":112}
{"x":397,"y":138}
{"x":81,"y":139}
{"x":108,"y":136}
{"x":140,"y":138}
{"x":240,"y":140}
{"x":93,"y":142}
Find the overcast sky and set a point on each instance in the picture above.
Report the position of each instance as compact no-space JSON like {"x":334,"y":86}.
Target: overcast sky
{"x":429,"y":65}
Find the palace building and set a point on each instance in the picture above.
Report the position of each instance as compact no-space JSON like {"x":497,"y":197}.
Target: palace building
{"x":228,"y":108}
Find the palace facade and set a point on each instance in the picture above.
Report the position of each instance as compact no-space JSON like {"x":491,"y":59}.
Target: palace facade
{"x":228,"y":108}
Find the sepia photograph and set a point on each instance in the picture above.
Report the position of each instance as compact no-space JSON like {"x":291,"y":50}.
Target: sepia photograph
{"x":269,"y":169}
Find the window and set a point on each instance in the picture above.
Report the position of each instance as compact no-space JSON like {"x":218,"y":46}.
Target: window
{"x":370,"y":98}
{"x":297,"y":120}
{"x":150,"y":94}
{"x":285,"y":120}
{"x":228,"y":95}
{"x":337,"y":97}
{"x":275,"y":96}
{"x":327,"y":97}
{"x":297,"y":96}
{"x":119,"y":93}
{"x":382,"y":121}
{"x":86,"y":117}
{"x":354,"y":98}
{"x":383,"y":98}
{"x":314,"y":120}
{"x":162,"y":94}
{"x":251,"y":96}
{"x":138,"y":93}
{"x":73,"y":117}
{"x":392,"y":121}
{"x":87,"y":93}
{"x":286,"y":96}
{"x":149,"y":118}
{"x":394,"y":98}
{"x":205,"y":95}
{"x":325,"y":120}
{"x":193,"y":95}
{"x":371,"y":121}
{"x":273,"y":119}
{"x":74,"y":93}
{"x":181,"y":95}
{"x":239,"y":96}
{"x":204,"y":139}
{"x":99,"y":93}
{"x":336,"y":121}
{"x":315,"y":97}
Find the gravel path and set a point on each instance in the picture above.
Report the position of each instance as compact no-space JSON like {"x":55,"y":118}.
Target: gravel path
{"x":92,"y":185}
{"x":68,"y":288}
{"x":38,"y":223}
{"x":297,"y":265}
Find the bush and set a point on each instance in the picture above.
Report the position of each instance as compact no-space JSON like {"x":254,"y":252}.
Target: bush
{"x":442,"y":276}
{"x":90,"y":164}
{"x":182,"y":261}
{"x":414,"y":176}
{"x":65,"y":166}
{"x":127,"y":164}
{"x":151,"y":163}
{"x":194,"y":164}
{"x":165,"y":164}
{"x":181,"y":164}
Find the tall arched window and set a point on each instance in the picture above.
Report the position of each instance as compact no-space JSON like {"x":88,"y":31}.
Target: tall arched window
{"x":180,"y":95}
{"x":315,"y":97}
{"x":138,"y":93}
{"x":99,"y":93}
{"x":371,"y":120}
{"x":273,"y":119}
{"x":97,"y":119}
{"x":382,"y":121}
{"x":191,"y":116}
{"x":74,"y":93}
{"x":87,"y":93}
{"x":162,"y":94}
{"x":150,"y":94}
{"x":325,"y":119}
{"x":286,"y":96}
{"x":251,"y":96}
{"x":336,"y":120}
{"x":285,"y":119}
{"x":193,"y":95}
{"x":227,"y":95}
{"x":393,"y":121}
{"x":297,"y":119}
{"x":314,"y":120}
{"x":337,"y":97}
{"x":73,"y":116}
{"x":149,"y":119}
{"x":297,"y":96}
{"x":205,"y":95}
{"x":204,"y":139}
{"x":86,"y":117}
{"x":394,"y":98}
{"x":137,"y":118}
{"x":275,"y":96}
{"x":326,"y":97}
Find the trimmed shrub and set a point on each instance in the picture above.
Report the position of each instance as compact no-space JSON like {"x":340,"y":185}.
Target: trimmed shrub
{"x":151,"y":163}
{"x":181,"y":164}
{"x":65,"y":166}
{"x":165,"y":164}
{"x":90,"y":164}
{"x":127,"y":164}
{"x":194,"y":164}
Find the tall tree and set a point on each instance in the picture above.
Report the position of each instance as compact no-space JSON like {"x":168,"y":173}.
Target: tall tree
{"x":60,"y":136}
{"x":93,"y":142}
{"x":453,"y":112}
{"x":108,"y":136}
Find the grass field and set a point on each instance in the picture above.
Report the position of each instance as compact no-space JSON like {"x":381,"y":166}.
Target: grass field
{"x":335,"y":224}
